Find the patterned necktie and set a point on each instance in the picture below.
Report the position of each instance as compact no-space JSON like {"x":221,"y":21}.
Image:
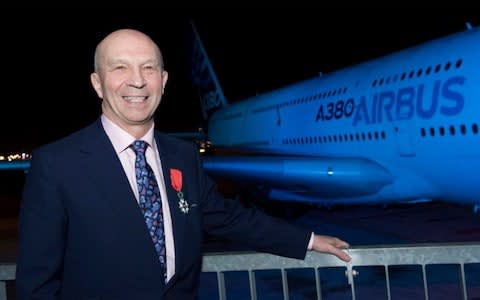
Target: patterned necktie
{"x":150,"y":201}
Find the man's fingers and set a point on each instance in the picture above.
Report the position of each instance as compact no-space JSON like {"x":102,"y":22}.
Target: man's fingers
{"x":338,"y":249}
{"x":343,"y":255}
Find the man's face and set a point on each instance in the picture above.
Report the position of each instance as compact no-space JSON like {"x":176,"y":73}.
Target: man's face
{"x":130,"y":79}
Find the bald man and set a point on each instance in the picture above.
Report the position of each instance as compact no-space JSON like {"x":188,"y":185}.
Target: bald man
{"x":92,"y":227}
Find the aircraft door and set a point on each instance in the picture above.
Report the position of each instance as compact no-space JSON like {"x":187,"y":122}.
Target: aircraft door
{"x":403,"y":135}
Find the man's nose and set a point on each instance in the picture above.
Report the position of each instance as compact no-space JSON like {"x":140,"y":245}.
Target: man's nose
{"x":137,"y":79}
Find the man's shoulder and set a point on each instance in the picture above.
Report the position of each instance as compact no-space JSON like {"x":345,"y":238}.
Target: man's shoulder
{"x":164,"y":139}
{"x":68,"y":142}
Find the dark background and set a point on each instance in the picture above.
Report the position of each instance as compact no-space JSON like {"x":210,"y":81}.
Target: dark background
{"x":46,"y":94}
{"x":48,"y":56}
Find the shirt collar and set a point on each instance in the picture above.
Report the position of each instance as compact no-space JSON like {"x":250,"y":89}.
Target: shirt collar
{"x":121,"y":139}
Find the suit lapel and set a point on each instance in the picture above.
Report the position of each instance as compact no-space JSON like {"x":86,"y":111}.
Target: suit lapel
{"x":170,"y":161}
{"x":106,"y":171}
{"x":107,"y":174}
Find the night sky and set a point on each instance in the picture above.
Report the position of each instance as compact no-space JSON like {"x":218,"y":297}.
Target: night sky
{"x":48,"y":58}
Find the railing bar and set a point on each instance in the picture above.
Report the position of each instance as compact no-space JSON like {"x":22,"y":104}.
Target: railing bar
{"x":317,"y":284}
{"x":387,"y":279}
{"x":352,"y":283}
{"x":253,"y":289}
{"x":3,"y":290}
{"x":464,"y":283}
{"x":425,"y":285}
{"x":221,"y":286}
{"x":284,"y":284}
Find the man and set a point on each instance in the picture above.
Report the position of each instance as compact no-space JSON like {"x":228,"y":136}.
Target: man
{"x":117,"y":210}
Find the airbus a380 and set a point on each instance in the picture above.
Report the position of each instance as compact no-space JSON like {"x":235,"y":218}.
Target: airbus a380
{"x":400,"y":128}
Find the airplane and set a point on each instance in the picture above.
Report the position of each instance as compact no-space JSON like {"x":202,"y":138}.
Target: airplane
{"x":401,"y":128}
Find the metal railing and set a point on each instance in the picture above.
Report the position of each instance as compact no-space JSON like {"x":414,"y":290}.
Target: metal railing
{"x":386,"y":257}
{"x":460,"y":255}
{"x":7,"y":272}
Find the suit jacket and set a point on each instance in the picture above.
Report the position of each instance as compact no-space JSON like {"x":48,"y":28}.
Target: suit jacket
{"x":82,"y":234}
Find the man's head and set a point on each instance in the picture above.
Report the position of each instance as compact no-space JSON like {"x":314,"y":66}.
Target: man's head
{"x":130,"y":78}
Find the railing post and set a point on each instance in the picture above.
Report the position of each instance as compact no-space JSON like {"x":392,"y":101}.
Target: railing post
{"x":285,"y":284}
{"x":7,"y":272}
{"x":3,"y":290}
{"x":222,"y":294}
{"x":253,"y":286}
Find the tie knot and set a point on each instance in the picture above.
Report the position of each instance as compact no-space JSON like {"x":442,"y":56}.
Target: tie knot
{"x":139,"y":147}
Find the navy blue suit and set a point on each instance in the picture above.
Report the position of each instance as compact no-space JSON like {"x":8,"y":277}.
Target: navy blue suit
{"x":82,"y":234}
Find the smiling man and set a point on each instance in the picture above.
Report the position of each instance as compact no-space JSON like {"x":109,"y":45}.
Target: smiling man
{"x":118,"y":209}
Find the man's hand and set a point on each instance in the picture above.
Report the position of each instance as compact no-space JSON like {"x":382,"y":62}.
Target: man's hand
{"x":332,"y":245}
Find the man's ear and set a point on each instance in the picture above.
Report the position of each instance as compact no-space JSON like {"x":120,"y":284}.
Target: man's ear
{"x":165,"y":79}
{"x":95,"y":80}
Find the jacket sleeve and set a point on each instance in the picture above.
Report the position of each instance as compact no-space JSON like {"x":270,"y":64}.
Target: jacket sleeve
{"x":228,"y":218}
